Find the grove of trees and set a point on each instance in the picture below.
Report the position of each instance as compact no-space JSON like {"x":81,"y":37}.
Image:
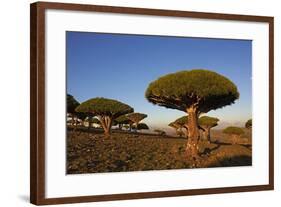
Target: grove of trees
{"x":105,"y":113}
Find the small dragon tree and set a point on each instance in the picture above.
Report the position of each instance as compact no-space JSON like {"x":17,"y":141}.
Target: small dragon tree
{"x":206,"y":123}
{"x":106,"y":110}
{"x":175,"y":126}
{"x":178,"y":129}
{"x":122,"y":120}
{"x":142,"y":126}
{"x":248,"y":124}
{"x":234,"y":132}
{"x":71,"y":104}
{"x":136,"y":118}
{"x":182,"y":123}
{"x":194,"y":92}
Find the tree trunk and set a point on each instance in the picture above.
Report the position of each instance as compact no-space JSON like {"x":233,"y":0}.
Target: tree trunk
{"x":107,"y":123}
{"x":72,"y":120}
{"x":206,"y":134}
{"x":193,"y":136}
{"x":120,"y":126}
{"x":107,"y":132}
{"x":186,"y":133}
{"x":75,"y":123}
{"x":89,"y":126}
{"x":137,"y":123}
{"x":102,"y":121}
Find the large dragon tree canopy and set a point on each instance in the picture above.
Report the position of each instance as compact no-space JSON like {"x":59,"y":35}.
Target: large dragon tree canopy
{"x":204,"y":89}
{"x":104,"y":107}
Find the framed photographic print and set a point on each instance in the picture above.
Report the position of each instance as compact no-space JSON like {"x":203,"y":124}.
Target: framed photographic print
{"x":130,"y":103}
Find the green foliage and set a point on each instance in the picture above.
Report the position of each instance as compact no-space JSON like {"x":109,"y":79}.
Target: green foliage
{"x":178,"y":125}
{"x":173,"y":125}
{"x":208,"y":121}
{"x":72,"y":103}
{"x":233,"y":130}
{"x":104,"y":107}
{"x":248,"y":124}
{"x":123,"y":120}
{"x":142,"y":126}
{"x":205,"y":89}
{"x":182,"y":121}
{"x":136,"y":117}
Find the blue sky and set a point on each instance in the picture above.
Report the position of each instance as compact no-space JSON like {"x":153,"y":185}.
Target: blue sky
{"x":120,"y":66}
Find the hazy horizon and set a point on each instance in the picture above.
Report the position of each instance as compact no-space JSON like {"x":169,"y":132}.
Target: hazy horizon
{"x":120,"y":67}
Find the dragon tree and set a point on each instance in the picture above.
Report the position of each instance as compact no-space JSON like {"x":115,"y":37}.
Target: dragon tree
{"x":142,"y":126}
{"x":234,"y":132}
{"x":182,"y":123}
{"x":178,"y":129}
{"x":136,"y":118}
{"x":122,"y":120}
{"x":106,"y":110}
{"x":206,"y":123}
{"x":248,"y":124}
{"x":193,"y":92}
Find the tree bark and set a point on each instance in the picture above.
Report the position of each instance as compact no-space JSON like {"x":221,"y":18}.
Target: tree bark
{"x":186,"y":133}
{"x":193,"y":136}
{"x":107,"y":123}
{"x":206,"y":134}
{"x":103,"y":124}
{"x":137,"y":123}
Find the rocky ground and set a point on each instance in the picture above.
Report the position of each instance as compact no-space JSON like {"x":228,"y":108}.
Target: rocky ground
{"x":92,"y":153}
